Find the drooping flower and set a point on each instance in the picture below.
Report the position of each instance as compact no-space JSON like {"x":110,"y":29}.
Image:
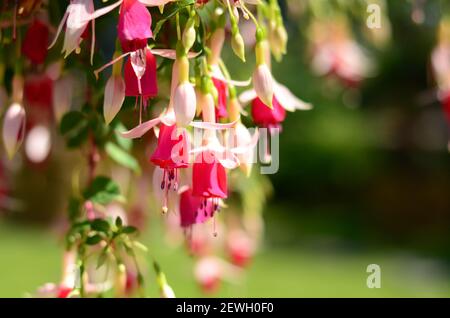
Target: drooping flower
{"x":171,"y":154}
{"x":114,"y":97}
{"x":194,"y":209}
{"x":34,"y":45}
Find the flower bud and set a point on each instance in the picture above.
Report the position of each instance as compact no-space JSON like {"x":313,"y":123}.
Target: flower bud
{"x":263,"y":84}
{"x":114,"y":97}
{"x":167,"y":292}
{"x":188,"y":37}
{"x":13,"y":128}
{"x":237,"y":44}
{"x":185,"y":103}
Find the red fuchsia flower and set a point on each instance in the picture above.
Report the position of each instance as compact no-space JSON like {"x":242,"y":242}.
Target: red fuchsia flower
{"x":34,"y":45}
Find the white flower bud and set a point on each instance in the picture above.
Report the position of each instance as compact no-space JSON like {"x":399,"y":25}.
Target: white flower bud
{"x":13,"y":128}
{"x":185,"y":103}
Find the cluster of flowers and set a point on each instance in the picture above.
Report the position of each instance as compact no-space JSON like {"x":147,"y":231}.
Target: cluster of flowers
{"x":190,"y":180}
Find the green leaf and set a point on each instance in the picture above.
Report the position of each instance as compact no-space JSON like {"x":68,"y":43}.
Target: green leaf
{"x":122,"y":157}
{"x":100,"y":225}
{"x":129,"y":229}
{"x":102,"y":191}
{"x":93,"y":240}
{"x":74,"y":126}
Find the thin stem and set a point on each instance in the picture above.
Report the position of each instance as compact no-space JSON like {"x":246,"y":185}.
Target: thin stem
{"x":178,"y":26}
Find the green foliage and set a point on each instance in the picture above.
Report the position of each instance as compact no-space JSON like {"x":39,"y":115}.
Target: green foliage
{"x":102,"y":190}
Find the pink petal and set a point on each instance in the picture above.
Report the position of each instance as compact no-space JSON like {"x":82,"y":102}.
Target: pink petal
{"x":139,"y":131}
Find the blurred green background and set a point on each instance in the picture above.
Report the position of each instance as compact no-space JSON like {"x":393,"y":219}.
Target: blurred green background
{"x":364,"y":179}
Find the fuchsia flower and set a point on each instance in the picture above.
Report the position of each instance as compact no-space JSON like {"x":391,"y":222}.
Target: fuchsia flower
{"x":145,"y":84}
{"x":171,"y":154}
{"x":282,"y":100}
{"x":34,"y":45}
{"x":194,"y":209}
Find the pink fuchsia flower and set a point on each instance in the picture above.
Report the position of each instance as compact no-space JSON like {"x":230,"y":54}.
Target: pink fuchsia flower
{"x":13,"y":128}
{"x":222,"y":98}
{"x":34,"y":45}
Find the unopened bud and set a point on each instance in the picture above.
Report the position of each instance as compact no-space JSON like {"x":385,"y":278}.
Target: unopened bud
{"x":188,"y":37}
{"x":13,"y":128}
{"x":238,"y":46}
{"x":185,"y":103}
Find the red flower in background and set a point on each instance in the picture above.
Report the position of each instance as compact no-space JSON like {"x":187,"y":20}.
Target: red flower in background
{"x":35,"y":42}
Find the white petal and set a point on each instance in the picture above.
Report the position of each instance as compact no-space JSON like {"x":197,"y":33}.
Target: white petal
{"x":288,"y":100}
{"x":247,"y":96}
